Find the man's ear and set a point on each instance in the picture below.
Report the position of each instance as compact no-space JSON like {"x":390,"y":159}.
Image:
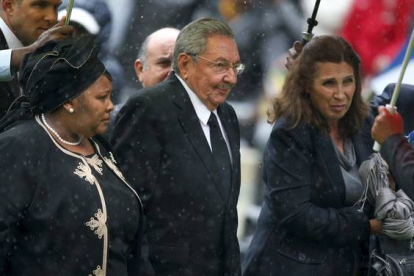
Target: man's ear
{"x":8,"y":6}
{"x":138,"y":69}
{"x":185,"y":61}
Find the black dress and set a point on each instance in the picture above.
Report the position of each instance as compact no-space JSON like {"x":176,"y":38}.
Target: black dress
{"x":62,"y":213}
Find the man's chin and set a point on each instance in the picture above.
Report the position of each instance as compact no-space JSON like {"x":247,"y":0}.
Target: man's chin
{"x":216,"y":102}
{"x":29,"y":41}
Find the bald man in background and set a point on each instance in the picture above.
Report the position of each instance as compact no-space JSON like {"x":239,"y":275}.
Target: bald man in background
{"x":154,"y":58}
{"x":153,"y":63}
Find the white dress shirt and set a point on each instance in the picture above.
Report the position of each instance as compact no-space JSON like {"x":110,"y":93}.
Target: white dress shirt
{"x":203,"y":114}
{"x":5,"y":55}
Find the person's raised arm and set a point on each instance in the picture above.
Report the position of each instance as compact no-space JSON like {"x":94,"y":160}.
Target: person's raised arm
{"x":396,"y":150}
{"x":59,"y":31}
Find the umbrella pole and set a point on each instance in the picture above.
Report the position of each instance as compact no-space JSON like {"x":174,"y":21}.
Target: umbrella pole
{"x":69,"y":8}
{"x":391,"y":106}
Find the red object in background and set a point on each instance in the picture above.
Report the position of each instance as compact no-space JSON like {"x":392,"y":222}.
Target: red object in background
{"x":377,"y":29}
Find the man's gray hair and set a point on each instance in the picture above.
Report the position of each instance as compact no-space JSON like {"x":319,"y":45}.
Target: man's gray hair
{"x":193,"y":37}
{"x":142,"y":54}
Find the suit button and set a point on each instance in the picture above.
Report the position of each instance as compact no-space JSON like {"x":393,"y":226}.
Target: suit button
{"x":302,"y":257}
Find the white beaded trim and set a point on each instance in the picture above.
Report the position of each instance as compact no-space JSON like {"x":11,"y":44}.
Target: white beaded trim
{"x":58,"y":136}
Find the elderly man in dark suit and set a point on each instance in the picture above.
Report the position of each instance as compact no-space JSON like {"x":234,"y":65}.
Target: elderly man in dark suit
{"x":24,"y":26}
{"x":179,"y":145}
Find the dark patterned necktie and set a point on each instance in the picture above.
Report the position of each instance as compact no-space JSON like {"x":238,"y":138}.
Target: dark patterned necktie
{"x":220,"y":152}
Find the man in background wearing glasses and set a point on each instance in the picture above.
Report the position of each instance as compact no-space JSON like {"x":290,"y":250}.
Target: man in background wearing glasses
{"x":178,"y":143}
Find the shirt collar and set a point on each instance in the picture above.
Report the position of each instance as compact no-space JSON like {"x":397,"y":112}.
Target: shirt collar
{"x":12,"y":41}
{"x":203,"y":113}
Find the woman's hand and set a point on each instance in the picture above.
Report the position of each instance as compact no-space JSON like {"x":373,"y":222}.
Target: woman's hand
{"x":376,"y":226}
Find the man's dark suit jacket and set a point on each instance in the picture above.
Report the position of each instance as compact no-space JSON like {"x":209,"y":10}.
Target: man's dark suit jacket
{"x":191,"y":225}
{"x":9,"y":91}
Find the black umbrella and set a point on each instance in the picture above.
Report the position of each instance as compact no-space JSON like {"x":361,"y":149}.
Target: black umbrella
{"x":307,"y":35}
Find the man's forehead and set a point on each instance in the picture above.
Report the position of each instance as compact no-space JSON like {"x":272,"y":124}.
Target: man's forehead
{"x":162,"y":41}
{"x":221,"y":45}
{"x":160,"y":48}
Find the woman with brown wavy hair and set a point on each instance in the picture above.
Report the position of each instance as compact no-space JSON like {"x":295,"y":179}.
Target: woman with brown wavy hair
{"x":309,"y":224}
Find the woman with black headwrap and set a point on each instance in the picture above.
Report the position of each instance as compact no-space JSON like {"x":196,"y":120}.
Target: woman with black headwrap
{"x":65,"y":208}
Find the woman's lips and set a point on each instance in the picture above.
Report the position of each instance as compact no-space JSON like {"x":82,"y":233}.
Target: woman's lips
{"x":338,"y":107}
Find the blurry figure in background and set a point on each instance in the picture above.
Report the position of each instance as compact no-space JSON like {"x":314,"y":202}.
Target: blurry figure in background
{"x":94,"y":17}
{"x":264,"y":30}
{"x":308,"y":223}
{"x":146,"y":18}
{"x":391,"y":73}
{"x":280,"y":23}
{"x":24,"y":26}
{"x":65,"y":207}
{"x":122,"y":11}
{"x":378,"y":30}
{"x":154,"y":60}
{"x":388,"y":130}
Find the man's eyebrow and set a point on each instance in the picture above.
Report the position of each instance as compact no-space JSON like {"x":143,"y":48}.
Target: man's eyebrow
{"x":164,"y":59}
{"x":44,"y":1}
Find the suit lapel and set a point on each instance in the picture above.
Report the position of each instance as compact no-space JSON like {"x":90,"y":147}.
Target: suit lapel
{"x":191,"y":126}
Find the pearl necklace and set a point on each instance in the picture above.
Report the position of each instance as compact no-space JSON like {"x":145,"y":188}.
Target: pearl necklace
{"x":58,"y":136}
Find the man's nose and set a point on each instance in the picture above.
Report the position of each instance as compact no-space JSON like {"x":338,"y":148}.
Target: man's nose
{"x":51,"y":16}
{"x":231,"y":76}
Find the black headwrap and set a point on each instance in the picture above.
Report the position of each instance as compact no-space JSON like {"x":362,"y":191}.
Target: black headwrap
{"x":58,"y":71}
